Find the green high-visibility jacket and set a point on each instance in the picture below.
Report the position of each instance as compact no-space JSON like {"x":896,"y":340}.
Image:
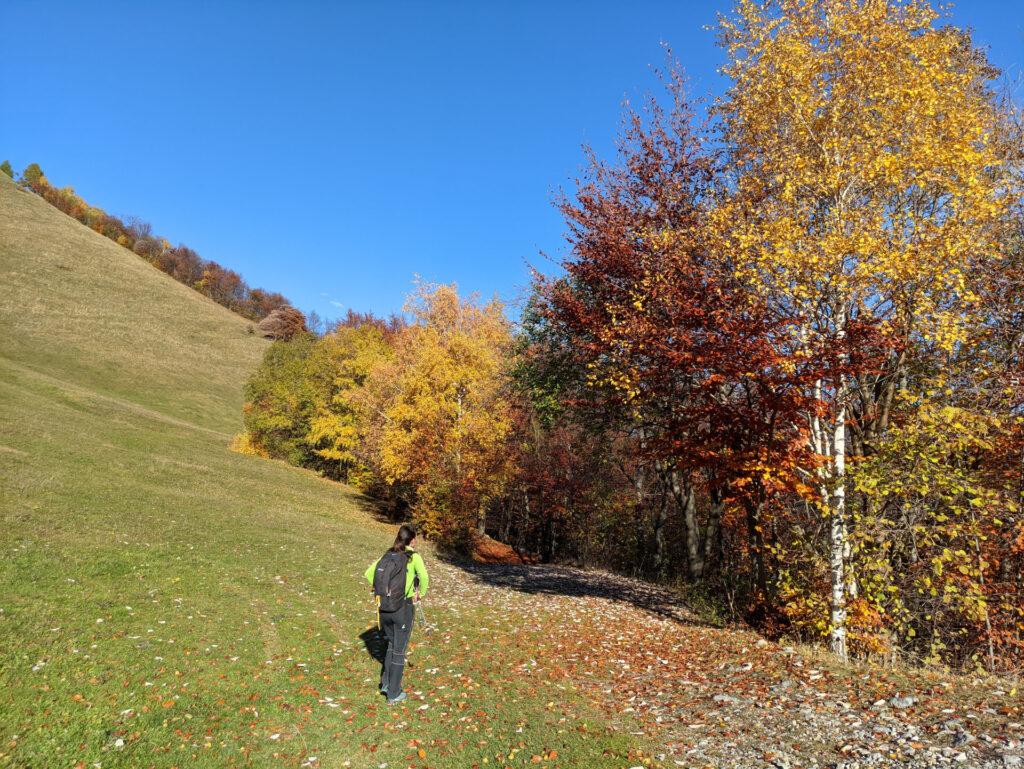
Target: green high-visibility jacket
{"x":415,"y":568}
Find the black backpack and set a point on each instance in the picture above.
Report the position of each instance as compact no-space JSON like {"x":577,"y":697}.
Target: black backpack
{"x":389,"y":580}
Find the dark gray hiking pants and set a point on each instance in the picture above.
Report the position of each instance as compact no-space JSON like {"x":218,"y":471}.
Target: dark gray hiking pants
{"x":397,"y":627}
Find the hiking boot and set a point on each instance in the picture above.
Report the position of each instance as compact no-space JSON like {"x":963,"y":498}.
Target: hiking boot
{"x":400,"y":698}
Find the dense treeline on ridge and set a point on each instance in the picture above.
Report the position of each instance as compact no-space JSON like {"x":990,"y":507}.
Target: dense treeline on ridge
{"x":782,"y":362}
{"x":225,"y":287}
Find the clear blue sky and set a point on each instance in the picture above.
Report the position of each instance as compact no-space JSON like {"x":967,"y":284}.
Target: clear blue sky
{"x":333,"y":150}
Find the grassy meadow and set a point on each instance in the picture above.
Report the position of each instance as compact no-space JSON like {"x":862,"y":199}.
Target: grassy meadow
{"x":165,"y":602}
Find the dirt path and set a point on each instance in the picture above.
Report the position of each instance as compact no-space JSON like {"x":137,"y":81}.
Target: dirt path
{"x":725,"y":697}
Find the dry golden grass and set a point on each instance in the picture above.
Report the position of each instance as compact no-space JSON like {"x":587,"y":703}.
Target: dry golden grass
{"x":81,"y":307}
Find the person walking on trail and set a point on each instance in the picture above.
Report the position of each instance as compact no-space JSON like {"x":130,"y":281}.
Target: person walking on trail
{"x":399,"y":579}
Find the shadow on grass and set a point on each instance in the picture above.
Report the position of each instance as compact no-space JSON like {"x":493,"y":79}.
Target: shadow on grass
{"x":382,"y":509}
{"x":576,"y":582}
{"x":375,"y":642}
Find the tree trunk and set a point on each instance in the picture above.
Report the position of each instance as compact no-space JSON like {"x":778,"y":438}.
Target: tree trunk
{"x":547,"y":549}
{"x":506,"y":524}
{"x":757,"y":546}
{"x":714,"y":521}
{"x":694,"y":551}
{"x":838,"y":537}
{"x":524,"y":527}
{"x":829,"y":442}
{"x":839,"y":541}
{"x":682,"y":491}
{"x":660,"y":517}
{"x":639,"y":520}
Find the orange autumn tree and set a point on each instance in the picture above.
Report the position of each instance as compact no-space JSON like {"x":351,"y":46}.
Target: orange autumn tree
{"x":438,"y":412}
{"x":865,"y":187}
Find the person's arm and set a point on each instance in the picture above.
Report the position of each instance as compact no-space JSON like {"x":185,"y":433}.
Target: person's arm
{"x":420,"y":570}
{"x":370,"y":570}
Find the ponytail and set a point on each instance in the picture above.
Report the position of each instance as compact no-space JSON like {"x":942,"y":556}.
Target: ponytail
{"x":406,"y":534}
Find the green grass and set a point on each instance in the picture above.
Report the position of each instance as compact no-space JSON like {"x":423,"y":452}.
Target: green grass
{"x":165,"y":602}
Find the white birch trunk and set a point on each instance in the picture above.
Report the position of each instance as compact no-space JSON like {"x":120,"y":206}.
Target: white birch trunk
{"x":839,"y":543}
{"x":829,"y":441}
{"x":838,"y":539}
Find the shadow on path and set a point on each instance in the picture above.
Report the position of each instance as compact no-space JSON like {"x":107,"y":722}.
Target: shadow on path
{"x":569,"y":581}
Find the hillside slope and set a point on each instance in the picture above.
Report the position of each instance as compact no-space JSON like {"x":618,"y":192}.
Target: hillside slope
{"x":165,"y":602}
{"x":78,"y":306}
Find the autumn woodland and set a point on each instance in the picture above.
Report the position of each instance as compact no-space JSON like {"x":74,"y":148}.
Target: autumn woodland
{"x":778,"y":367}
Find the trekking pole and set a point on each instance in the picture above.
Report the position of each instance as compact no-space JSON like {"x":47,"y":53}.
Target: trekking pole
{"x":427,"y":627}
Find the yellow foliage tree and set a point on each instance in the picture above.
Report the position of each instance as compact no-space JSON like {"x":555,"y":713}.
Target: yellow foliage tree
{"x":927,"y":476}
{"x":342,"y":360}
{"x":440,"y":412}
{"x":865,"y":186}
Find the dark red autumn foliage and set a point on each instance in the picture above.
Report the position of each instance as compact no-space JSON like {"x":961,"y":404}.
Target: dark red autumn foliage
{"x":668,"y":336}
{"x":389,"y":327}
{"x":181,"y":263}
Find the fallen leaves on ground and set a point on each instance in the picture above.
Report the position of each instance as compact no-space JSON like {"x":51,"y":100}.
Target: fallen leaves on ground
{"x":708,"y":695}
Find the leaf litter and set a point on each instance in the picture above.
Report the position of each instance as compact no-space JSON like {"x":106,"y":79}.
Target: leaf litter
{"x":715,"y":696}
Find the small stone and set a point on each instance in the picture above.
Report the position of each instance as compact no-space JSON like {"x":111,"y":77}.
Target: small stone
{"x":726,"y":698}
{"x":1012,"y":761}
{"x":903,"y":702}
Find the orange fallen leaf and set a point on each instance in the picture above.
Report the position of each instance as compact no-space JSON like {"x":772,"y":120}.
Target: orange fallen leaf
{"x":421,"y":753}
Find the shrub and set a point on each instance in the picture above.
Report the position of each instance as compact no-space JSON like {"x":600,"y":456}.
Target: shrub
{"x":181,"y":263}
{"x":243,"y":444}
{"x":148,"y":247}
{"x":282,"y":323}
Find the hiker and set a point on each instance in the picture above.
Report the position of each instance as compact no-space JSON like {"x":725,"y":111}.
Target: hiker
{"x":399,"y":580}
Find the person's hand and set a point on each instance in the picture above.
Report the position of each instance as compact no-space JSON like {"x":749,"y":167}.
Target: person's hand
{"x":416,"y":597}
